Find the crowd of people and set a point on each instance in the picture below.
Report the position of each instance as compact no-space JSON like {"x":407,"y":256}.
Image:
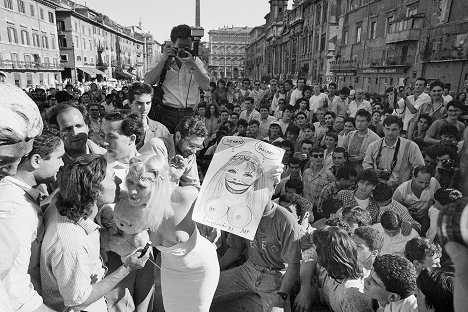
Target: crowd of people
{"x":97,"y":191}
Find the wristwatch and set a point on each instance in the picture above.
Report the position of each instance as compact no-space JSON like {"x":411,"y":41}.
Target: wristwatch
{"x":283,"y":295}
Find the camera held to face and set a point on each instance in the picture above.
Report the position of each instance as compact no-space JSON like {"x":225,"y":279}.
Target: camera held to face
{"x":384,"y":174}
{"x":182,"y":53}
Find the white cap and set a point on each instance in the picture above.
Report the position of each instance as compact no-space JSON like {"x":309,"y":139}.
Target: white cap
{"x":19,"y":115}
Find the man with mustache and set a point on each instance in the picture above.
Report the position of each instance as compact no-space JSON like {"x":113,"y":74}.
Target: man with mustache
{"x":70,"y":119}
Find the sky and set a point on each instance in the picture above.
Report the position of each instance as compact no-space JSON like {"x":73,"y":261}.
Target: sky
{"x":159,"y":16}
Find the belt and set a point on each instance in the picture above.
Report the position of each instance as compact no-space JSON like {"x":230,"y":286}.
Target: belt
{"x":177,"y":109}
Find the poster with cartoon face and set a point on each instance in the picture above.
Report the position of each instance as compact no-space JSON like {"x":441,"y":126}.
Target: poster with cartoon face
{"x":236,"y":187}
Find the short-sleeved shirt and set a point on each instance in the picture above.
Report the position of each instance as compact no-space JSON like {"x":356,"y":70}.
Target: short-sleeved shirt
{"x":249,"y":116}
{"x":434,"y":129}
{"x":317,"y":101}
{"x":313,"y":184}
{"x":422,"y":99}
{"x":353,"y":107}
{"x":394,"y":245}
{"x":405,"y":196}
{"x":276,"y":242}
{"x":70,"y":262}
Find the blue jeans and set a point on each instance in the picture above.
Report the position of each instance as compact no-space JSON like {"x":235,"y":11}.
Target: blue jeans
{"x":248,"y":279}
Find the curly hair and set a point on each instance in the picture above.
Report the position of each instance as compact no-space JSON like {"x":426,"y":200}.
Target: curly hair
{"x":337,"y":253}
{"x":374,"y":239}
{"x":398,"y":274}
{"x":46,"y":143}
{"x":189,"y":126}
{"x":80,"y":186}
{"x":339,"y":222}
{"x":357,"y":215}
{"x":181,"y":32}
{"x":420,"y":249}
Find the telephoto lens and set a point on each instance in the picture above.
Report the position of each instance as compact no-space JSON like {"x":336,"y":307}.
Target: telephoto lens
{"x":453,"y":222}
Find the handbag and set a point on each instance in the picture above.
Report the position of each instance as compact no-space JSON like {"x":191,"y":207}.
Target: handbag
{"x":158,"y":94}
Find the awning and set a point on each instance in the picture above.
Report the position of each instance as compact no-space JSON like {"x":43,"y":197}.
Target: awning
{"x":92,"y":71}
{"x":87,"y":70}
{"x":124,"y":74}
{"x":99,"y":72}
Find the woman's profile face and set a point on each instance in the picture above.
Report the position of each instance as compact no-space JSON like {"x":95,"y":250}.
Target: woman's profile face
{"x":109,"y":187}
{"x":239,"y":178}
{"x":138,"y":193}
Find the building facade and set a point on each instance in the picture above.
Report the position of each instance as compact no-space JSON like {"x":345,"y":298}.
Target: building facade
{"x":227,"y":51}
{"x":91,"y":44}
{"x":29,"y":51}
{"x":368,"y":44}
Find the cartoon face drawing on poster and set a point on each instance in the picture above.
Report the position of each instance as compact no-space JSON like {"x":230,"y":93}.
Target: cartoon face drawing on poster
{"x":235,"y":189}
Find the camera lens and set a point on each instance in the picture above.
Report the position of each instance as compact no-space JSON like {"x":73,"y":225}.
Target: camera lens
{"x":453,"y":222}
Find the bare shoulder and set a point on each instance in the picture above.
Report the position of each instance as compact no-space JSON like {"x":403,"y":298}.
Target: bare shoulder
{"x":185,"y":194}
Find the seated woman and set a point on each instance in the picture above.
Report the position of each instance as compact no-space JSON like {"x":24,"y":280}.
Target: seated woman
{"x":340,"y":274}
{"x":189,"y":263}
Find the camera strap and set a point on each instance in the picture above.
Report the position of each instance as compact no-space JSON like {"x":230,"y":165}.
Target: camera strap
{"x":395,"y":155}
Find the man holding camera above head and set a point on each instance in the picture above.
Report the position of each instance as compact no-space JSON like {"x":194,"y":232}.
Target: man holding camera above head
{"x":408,"y":105}
{"x":393,"y":157}
{"x":181,"y":74}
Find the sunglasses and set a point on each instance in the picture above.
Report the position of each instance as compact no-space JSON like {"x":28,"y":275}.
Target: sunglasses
{"x":317,"y":155}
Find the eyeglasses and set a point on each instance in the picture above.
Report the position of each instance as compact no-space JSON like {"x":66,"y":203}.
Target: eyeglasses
{"x":193,"y":146}
{"x":317,"y":155}
{"x":453,"y":110}
{"x":257,"y":84}
{"x":300,"y":117}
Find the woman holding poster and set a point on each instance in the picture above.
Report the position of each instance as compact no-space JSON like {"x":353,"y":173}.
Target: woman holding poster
{"x":189,"y":264}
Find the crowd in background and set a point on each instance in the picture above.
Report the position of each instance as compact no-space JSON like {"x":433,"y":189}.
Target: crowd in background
{"x":364,"y":179}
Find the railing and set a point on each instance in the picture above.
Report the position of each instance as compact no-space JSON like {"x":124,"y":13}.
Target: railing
{"x":391,"y":61}
{"x":9,"y":64}
{"x":102,"y":65}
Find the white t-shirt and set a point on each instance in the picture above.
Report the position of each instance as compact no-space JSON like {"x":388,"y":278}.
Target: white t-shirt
{"x":394,"y":245}
{"x":295,"y":95}
{"x":422,"y":99}
{"x":317,"y":101}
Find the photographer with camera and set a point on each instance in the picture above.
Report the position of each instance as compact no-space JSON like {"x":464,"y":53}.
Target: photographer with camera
{"x":393,"y":157}
{"x":447,"y":171}
{"x":180,"y":75}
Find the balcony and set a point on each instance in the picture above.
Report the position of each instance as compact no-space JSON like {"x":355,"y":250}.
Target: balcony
{"x":102,"y":64}
{"x":29,"y":66}
{"x":392,"y":61}
{"x":405,"y":29}
{"x":404,"y":35}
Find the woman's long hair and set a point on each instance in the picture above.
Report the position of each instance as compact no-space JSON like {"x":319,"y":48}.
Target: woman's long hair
{"x":153,"y":171}
{"x":80,"y":186}
{"x":337,"y":253}
{"x":258,"y":195}
{"x":208,"y":114}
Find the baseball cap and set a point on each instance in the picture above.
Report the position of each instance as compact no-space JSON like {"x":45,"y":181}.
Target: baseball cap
{"x":20,"y":118}
{"x":275,"y":122}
